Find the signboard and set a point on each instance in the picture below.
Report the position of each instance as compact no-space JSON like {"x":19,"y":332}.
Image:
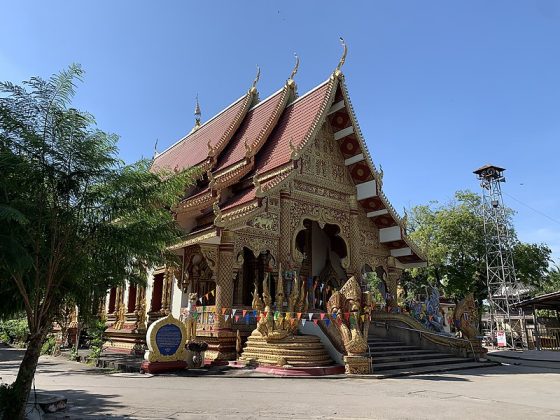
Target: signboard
{"x":501,"y":338}
{"x":168,"y":339}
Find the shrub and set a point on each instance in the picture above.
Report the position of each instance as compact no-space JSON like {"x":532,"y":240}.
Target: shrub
{"x":96,"y":330}
{"x":49,"y":346}
{"x":14,"y":331}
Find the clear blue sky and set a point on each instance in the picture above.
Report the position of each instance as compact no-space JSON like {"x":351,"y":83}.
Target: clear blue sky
{"x":439,"y":87}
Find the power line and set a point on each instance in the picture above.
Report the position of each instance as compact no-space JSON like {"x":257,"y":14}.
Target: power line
{"x":532,"y":208}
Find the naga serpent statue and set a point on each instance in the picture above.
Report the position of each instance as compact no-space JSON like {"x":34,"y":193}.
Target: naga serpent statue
{"x":345,"y":312}
{"x":464,"y":317}
{"x":273,"y":326}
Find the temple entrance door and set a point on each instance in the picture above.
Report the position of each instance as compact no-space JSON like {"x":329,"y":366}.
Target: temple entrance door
{"x":254,"y":270}
{"x":323,"y":250}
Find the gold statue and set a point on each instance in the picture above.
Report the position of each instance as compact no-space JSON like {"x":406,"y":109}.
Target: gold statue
{"x":189,"y":317}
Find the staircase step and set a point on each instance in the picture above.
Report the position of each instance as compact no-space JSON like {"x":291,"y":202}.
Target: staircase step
{"x":376,"y":353}
{"x":392,"y":373}
{"x":385,"y":343}
{"x":394,"y":348}
{"x":409,"y":357}
{"x":417,"y":363}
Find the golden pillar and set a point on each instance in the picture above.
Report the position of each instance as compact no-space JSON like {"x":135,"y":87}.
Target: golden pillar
{"x":221,"y":338}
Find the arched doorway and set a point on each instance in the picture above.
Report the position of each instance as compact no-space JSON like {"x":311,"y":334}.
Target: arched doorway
{"x":254,"y":270}
{"x":321,"y":269}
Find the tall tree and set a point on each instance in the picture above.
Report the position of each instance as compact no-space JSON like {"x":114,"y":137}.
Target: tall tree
{"x":452,"y":236}
{"x":74,"y":219}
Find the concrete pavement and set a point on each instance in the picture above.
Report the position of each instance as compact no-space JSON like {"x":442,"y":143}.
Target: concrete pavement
{"x":499,"y":392}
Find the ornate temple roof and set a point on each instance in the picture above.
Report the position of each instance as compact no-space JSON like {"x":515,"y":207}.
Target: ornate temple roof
{"x":205,"y":141}
{"x":250,"y":150}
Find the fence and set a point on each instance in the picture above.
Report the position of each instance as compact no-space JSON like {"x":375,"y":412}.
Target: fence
{"x":544,"y":338}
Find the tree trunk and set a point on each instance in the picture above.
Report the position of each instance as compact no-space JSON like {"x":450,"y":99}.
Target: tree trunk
{"x":26,"y":373}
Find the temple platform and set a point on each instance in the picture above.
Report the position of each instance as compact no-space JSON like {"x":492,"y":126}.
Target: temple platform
{"x":298,"y":351}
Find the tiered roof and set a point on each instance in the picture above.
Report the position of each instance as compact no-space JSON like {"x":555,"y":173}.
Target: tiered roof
{"x":249,"y":151}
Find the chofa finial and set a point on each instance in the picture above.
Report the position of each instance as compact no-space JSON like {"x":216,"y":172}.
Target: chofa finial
{"x":155,"y":149}
{"x":257,"y":77}
{"x":296,"y":67}
{"x":343,"y":58}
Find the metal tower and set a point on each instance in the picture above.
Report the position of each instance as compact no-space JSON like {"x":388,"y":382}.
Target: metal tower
{"x":503,"y":288}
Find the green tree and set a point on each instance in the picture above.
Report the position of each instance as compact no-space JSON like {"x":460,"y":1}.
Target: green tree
{"x":74,"y":219}
{"x":452,"y":237}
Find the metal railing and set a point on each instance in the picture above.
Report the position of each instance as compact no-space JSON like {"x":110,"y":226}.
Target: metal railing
{"x":422,"y":332}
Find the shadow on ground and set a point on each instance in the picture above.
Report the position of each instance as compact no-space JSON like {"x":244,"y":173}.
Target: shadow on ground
{"x":83,"y":404}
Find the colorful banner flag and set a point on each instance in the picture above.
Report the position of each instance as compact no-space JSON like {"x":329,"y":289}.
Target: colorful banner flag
{"x":233,"y":311}
{"x":322,"y":316}
{"x":298,"y":315}
{"x":227,"y":317}
{"x":310,"y":315}
{"x":327,"y":322}
{"x":236,"y":318}
{"x":244,"y":312}
{"x":223,"y":311}
{"x":303,"y":322}
{"x":213,"y":292}
{"x":315,"y":321}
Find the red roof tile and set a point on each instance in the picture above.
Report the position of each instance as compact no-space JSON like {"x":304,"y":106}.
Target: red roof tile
{"x":253,"y":125}
{"x":295,"y":124}
{"x":240,"y":198}
{"x":193,"y":149}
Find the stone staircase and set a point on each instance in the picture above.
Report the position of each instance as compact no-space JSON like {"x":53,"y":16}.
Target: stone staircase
{"x":393,"y":358}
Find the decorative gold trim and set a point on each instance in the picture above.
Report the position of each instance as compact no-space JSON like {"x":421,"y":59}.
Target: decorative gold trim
{"x":194,"y":239}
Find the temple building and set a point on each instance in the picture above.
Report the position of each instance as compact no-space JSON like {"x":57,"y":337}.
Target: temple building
{"x":288,"y":191}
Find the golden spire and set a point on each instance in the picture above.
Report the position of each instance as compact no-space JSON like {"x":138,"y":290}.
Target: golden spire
{"x":257,"y":77}
{"x":343,"y":58}
{"x":197,"y":115}
{"x":294,"y":71}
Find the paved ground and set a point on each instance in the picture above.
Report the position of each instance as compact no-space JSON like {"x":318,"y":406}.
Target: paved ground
{"x":515,"y":392}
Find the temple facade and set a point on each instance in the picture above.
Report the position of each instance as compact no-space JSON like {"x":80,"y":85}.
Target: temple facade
{"x":289,"y":191}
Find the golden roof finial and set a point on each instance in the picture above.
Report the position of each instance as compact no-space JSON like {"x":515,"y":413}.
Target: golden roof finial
{"x":257,"y":77}
{"x":294,"y":150}
{"x":404,"y":219}
{"x":343,"y":58}
{"x":296,"y":67}
{"x":257,"y":184}
{"x":197,"y":113}
{"x":211,"y":150}
{"x":218,"y":213}
{"x":380,"y":177}
{"x":155,"y":149}
{"x":211,"y":180}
